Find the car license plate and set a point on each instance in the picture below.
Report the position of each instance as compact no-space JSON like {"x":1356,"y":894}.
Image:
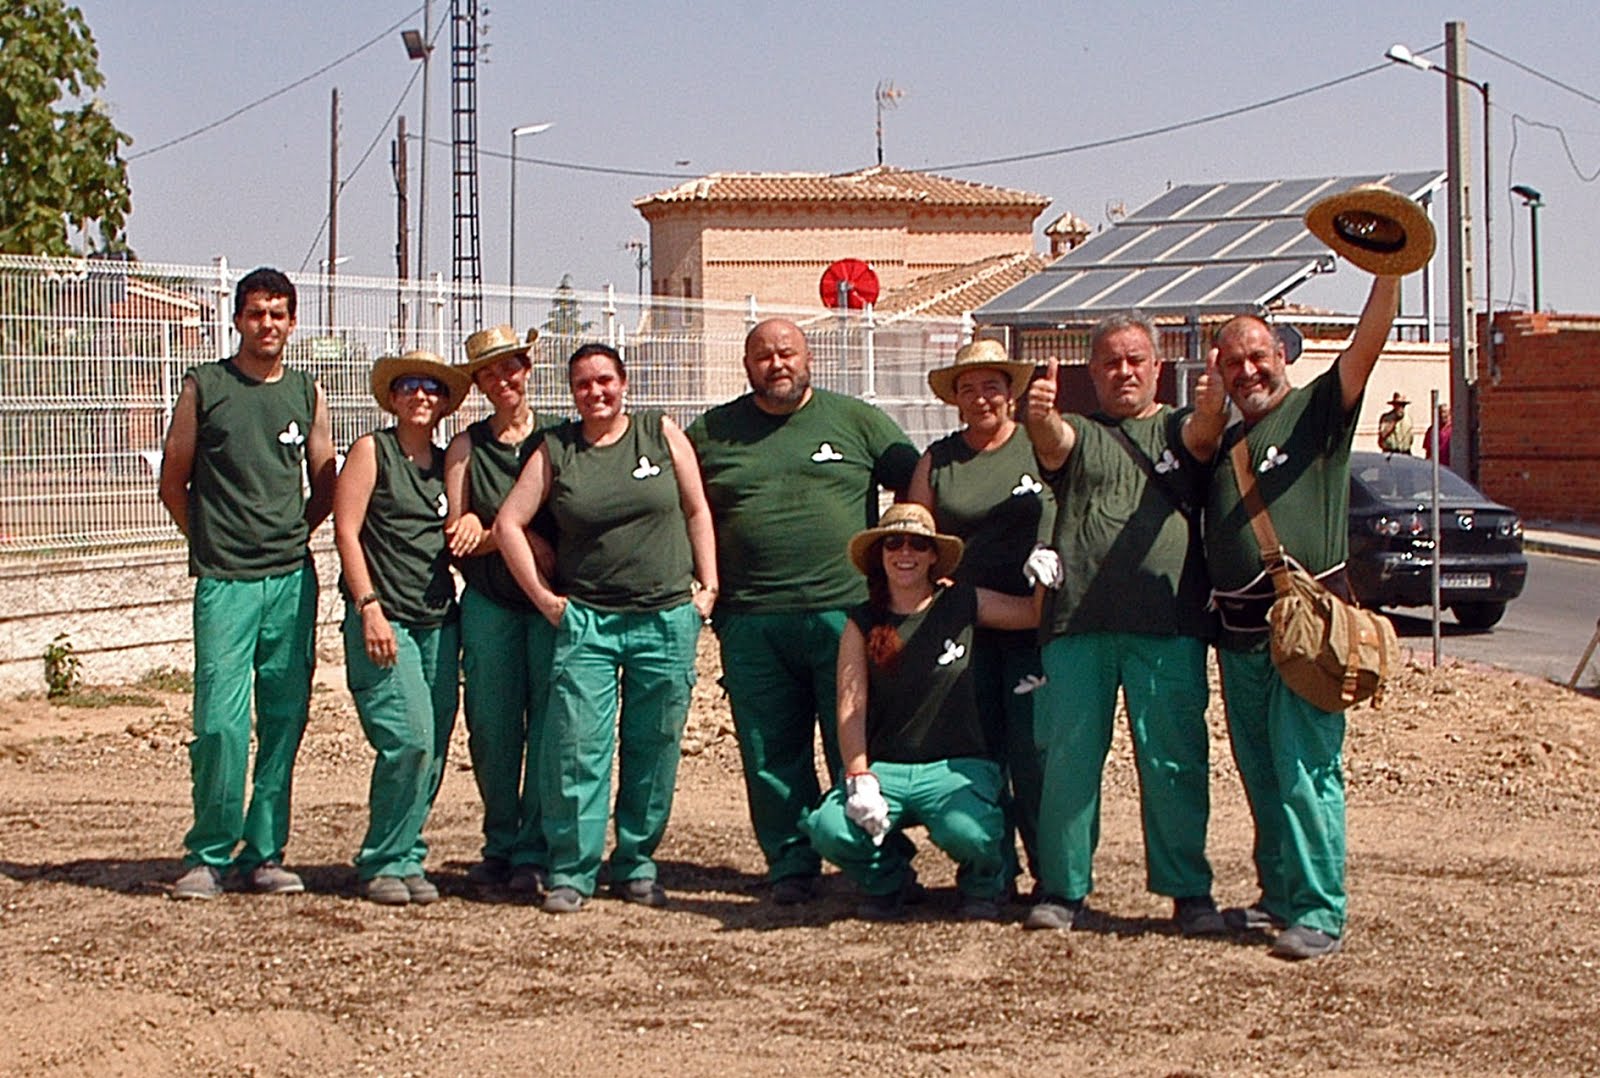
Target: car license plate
{"x":1465,"y":580}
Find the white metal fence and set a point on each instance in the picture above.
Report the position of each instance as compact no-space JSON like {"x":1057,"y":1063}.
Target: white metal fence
{"x":92,"y":355}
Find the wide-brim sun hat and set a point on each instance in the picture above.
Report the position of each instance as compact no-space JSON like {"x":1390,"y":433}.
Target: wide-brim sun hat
{"x":1375,"y":228}
{"x":425,"y":363}
{"x":488,"y":345}
{"x":979,"y":355}
{"x":907,"y":518}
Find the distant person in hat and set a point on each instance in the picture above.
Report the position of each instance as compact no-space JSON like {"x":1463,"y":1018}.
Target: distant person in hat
{"x":246,"y":432}
{"x":1128,"y":612}
{"x":505,"y":642}
{"x":1394,"y":427}
{"x":917,"y":746}
{"x":402,"y":634}
{"x":982,"y":484}
{"x":791,"y":472}
{"x":635,"y":577}
{"x":1297,"y":442}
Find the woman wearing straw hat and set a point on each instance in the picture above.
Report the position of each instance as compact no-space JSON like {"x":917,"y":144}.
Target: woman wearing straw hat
{"x":636,"y":570}
{"x":915,"y":745}
{"x":401,"y":637}
{"x":505,"y":641}
{"x":982,"y":484}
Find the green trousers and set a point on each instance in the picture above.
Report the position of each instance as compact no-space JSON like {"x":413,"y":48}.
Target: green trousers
{"x":249,"y":635}
{"x":505,"y":662}
{"x":957,"y":800}
{"x":780,"y":672}
{"x":1163,"y":679}
{"x":1289,"y":754}
{"x":1006,"y":669}
{"x":652,"y":655}
{"x":407,"y":712}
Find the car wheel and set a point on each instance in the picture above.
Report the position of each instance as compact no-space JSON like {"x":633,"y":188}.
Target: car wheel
{"x":1478,"y":615}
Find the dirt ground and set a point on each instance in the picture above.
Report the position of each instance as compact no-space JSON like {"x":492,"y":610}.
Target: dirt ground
{"x":1474,"y":875}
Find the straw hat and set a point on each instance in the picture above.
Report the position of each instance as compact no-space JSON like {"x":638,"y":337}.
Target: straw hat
{"x":1375,"y":228}
{"x":387,"y":369}
{"x":907,"y":518}
{"x":488,"y":345}
{"x":979,"y":355}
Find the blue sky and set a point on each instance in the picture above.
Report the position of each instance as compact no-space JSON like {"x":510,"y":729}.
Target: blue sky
{"x":765,"y":86}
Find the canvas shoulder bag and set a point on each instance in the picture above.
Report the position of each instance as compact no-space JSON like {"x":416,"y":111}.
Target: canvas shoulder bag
{"x":1332,"y":653}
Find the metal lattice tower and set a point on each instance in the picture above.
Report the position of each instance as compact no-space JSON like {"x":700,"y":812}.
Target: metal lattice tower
{"x":467,"y":265}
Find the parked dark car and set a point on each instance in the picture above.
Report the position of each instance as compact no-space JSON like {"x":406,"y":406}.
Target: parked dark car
{"x":1391,"y":545}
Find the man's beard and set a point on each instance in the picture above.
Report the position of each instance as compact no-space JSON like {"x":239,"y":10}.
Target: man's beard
{"x":799,"y":382}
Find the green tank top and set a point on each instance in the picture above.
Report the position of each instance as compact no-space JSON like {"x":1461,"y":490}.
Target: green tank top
{"x":247,"y":490}
{"x":624,"y":544}
{"x":403,"y":537}
{"x":925,"y":707}
{"x":492,"y":471}
{"x":995,"y":502}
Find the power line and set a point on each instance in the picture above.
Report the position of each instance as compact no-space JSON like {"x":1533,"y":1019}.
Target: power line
{"x":236,"y":113}
{"x":574,"y":166}
{"x":1520,"y":66}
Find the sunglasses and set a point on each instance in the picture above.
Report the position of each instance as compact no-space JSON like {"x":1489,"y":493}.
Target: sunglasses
{"x":921,"y":544}
{"x":413,"y":383}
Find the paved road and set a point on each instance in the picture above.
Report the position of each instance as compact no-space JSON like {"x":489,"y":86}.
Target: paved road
{"x":1544,"y":632}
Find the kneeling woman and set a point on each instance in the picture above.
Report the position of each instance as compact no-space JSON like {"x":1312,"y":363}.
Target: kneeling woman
{"x":635,"y":532}
{"x":401,"y":637}
{"x":916,"y":748}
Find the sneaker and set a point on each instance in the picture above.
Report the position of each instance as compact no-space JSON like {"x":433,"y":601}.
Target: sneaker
{"x":201,"y":881}
{"x":1054,"y":913}
{"x":490,"y":872}
{"x":889,"y":907}
{"x":421,"y":890}
{"x":271,"y":878}
{"x":794,"y":890}
{"x":562,"y":900}
{"x":1300,"y":942}
{"x":388,"y":891}
{"x":529,"y":880}
{"x":980,"y":909}
{"x":1197,"y":916}
{"x":1254,"y":918}
{"x":641,"y":893}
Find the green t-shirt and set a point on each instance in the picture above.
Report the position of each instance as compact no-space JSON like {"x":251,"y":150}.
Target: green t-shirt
{"x":492,"y":471}
{"x":403,"y":536}
{"x":995,"y":502}
{"x":925,"y":706}
{"x":1131,"y":560}
{"x":624,"y":543}
{"x":788,"y":491}
{"x":1301,"y":455}
{"x":247,"y":498}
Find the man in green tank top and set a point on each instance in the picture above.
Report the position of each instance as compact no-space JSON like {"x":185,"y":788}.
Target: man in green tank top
{"x":1129,"y":613}
{"x":791,"y":472}
{"x":1289,"y":752}
{"x":248,"y":438}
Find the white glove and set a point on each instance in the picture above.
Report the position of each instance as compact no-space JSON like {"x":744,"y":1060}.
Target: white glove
{"x":865,"y":806}
{"x":1043,"y":567}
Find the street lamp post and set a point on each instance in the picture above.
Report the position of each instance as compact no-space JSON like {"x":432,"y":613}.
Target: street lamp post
{"x":1535,"y":202}
{"x":419,"y":46}
{"x":511,"y":275}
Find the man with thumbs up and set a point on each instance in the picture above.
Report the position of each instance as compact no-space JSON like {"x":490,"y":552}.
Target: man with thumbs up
{"x":1130,"y":613}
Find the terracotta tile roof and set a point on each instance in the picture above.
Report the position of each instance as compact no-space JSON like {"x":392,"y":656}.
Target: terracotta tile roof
{"x":953,"y":292}
{"x":877,"y":184}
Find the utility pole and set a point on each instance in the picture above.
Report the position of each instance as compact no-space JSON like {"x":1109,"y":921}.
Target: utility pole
{"x":1463,"y":315}
{"x":422,"y":176}
{"x":333,"y":204}
{"x":402,"y":241}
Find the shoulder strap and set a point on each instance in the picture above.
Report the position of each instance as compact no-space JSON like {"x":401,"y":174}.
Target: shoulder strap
{"x":1143,"y":461}
{"x":1260,"y":522}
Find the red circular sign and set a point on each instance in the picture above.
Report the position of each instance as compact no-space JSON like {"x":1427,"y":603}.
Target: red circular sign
{"x":859,"y":280}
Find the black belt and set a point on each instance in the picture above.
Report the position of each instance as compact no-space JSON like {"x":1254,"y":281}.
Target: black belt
{"x":1245,"y":610}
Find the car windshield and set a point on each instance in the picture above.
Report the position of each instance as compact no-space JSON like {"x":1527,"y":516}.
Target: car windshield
{"x":1397,"y":477}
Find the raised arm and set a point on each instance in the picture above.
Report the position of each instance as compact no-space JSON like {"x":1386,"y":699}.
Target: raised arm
{"x":1203,"y":427}
{"x":351,"y":496}
{"x":177,"y":455}
{"x":696,"y":514}
{"x":1052,"y":438}
{"x":320,"y":466}
{"x":511,"y":534}
{"x":1355,"y":363}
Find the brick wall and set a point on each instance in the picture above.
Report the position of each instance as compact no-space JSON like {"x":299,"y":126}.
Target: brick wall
{"x":1539,"y":425}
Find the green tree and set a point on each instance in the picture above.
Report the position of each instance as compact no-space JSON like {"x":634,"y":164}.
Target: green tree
{"x":566,"y":317}
{"x":60,"y":166}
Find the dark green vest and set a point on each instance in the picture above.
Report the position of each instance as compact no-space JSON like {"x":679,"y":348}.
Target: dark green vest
{"x":403,"y":536}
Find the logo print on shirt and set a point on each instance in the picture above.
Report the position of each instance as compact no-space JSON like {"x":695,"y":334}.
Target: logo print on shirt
{"x":442,"y":505}
{"x":1274,"y":457}
{"x":825,"y":453}
{"x":1167,"y":463}
{"x":1027,"y":485}
{"x":952,"y":652}
{"x":291,"y":435}
{"x":1027,"y":683}
{"x":645,"y":469}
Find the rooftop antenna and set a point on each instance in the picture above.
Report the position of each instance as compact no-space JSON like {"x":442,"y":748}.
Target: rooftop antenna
{"x":888,"y":97}
{"x":1116,"y":210}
